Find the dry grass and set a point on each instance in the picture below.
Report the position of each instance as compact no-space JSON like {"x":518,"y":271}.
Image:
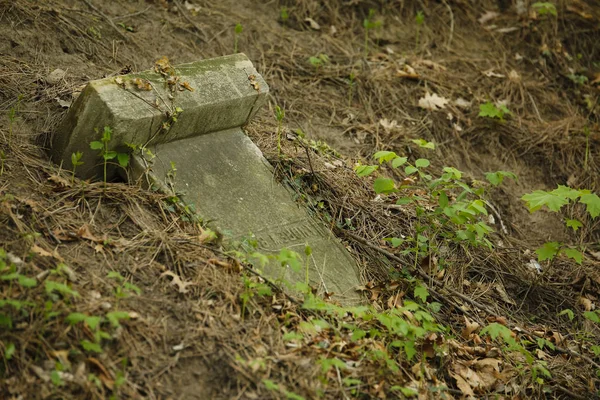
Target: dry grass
{"x":198,"y":344}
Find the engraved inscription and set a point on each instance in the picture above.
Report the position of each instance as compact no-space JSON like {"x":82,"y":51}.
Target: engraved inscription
{"x":291,"y":233}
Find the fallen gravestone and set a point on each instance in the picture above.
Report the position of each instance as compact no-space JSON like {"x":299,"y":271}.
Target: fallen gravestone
{"x":184,"y":124}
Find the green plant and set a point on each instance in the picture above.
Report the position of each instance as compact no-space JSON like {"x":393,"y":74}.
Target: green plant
{"x":554,"y":200}
{"x":318,"y":61}
{"x":420,"y":20}
{"x":123,"y":289}
{"x":75,"y":161}
{"x":252,"y":288}
{"x":370,"y":24}
{"x":544,"y":8}
{"x":236,"y":33}
{"x":284,"y":14}
{"x":578,"y":79}
{"x":493,"y":111}
{"x":279,"y":115}
{"x":105,"y":153}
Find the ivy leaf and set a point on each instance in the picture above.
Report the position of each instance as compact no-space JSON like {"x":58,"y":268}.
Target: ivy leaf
{"x":398,"y":161}
{"x":424,"y":144}
{"x":540,"y":198}
{"x":384,"y":186}
{"x":384,"y":156}
{"x":422,"y":163}
{"x":365,"y":170}
{"x":574,"y":224}
{"x":75,"y":318}
{"x":592,"y":203}
{"x":123,"y":159}
{"x":409,"y":170}
{"x":547,"y":251}
{"x":574,"y":254}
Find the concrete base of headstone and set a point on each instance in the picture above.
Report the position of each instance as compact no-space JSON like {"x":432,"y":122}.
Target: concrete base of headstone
{"x":231,"y":184}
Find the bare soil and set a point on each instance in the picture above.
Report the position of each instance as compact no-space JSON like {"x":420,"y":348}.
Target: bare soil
{"x":201,"y":342}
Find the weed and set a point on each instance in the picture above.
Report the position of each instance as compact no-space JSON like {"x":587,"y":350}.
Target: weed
{"x":76,"y":161}
{"x":578,"y":79}
{"x":420,"y":20}
{"x":554,"y":200}
{"x":284,"y":15}
{"x":370,"y":24}
{"x":318,"y":61}
{"x":236,"y":33}
{"x":279,"y":115}
{"x":544,"y":8}
{"x":106,"y":154}
{"x":493,"y":111}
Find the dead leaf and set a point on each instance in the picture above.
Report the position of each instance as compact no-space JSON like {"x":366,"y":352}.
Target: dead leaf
{"x":313,"y":24}
{"x":586,"y":303}
{"x":462,"y":384}
{"x":469,"y":328}
{"x":432,"y":102}
{"x":85,"y":233}
{"x":388,"y":125}
{"x":104,"y":375}
{"x":514,"y":76}
{"x":462,"y":103}
{"x":407,"y":72}
{"x":430,"y":64}
{"x":176,"y":280}
{"x":503,"y":295}
{"x":45,"y":253}
{"x":487,"y":16}
{"x":59,"y":180}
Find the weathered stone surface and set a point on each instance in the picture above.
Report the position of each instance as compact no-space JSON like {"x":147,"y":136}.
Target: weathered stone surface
{"x":231,"y":184}
{"x":227,"y":92}
{"x":219,"y":169}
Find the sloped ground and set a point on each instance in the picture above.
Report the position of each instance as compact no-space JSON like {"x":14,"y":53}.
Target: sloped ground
{"x":181,"y":319}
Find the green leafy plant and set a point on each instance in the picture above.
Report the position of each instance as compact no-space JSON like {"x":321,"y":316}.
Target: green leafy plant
{"x":284,"y":14}
{"x":554,"y":201}
{"x":123,"y":289}
{"x":490,"y":110}
{"x":236,"y":34}
{"x":370,"y":24}
{"x":419,"y":20}
{"x":318,"y":61}
{"x":544,"y":8}
{"x":279,"y":115}
{"x":76,"y":162}
{"x":578,"y":79}
{"x":106,"y":154}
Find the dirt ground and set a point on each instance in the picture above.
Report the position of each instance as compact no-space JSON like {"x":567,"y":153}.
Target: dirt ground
{"x":202,"y":341}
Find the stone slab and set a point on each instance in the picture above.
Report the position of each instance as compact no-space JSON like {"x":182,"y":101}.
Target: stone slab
{"x":231,"y":184}
{"x":227,"y":92}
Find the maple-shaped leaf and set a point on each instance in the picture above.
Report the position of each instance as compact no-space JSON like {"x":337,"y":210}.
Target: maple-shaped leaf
{"x":540,"y":198}
{"x":566,"y":192}
{"x":432,"y":102}
{"x":574,"y":224}
{"x":547,"y":251}
{"x":574,"y":254}
{"x":592,"y":203}
{"x":422,"y":293}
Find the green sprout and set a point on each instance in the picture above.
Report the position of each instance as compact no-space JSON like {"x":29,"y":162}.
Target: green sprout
{"x":284,"y":14}
{"x":76,"y":161}
{"x":279,"y":115}
{"x":106,"y":154}
{"x":490,"y":110}
{"x":319,"y":61}
{"x":369,"y":24}
{"x":237,"y":32}
{"x":544,"y":8}
{"x":420,"y":20}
